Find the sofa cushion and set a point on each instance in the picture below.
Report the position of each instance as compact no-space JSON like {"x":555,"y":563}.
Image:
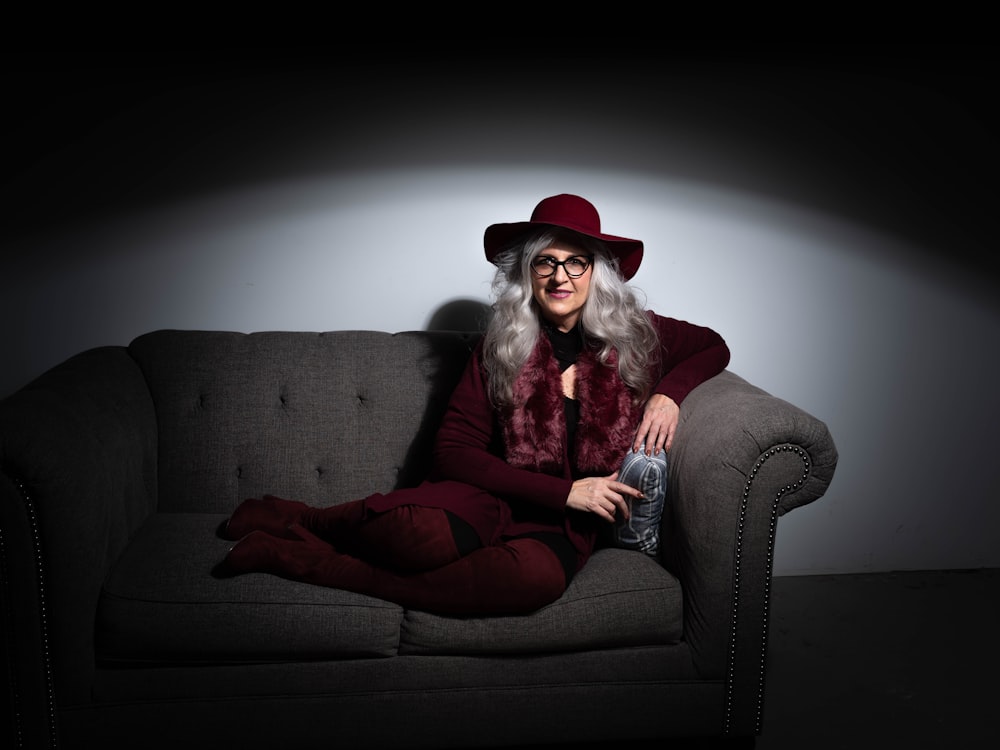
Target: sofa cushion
{"x":160,"y":605}
{"x":620,"y":598}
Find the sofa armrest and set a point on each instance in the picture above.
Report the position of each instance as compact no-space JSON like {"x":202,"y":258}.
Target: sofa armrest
{"x":77,"y":477}
{"x":741,"y":458}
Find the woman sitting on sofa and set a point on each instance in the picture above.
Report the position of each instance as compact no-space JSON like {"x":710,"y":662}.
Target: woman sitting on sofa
{"x":571,"y":379}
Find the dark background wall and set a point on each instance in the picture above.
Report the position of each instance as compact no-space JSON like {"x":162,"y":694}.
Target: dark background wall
{"x":828,"y":209}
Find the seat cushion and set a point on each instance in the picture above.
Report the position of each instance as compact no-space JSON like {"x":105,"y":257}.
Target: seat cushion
{"x":160,"y":604}
{"x":620,"y":598}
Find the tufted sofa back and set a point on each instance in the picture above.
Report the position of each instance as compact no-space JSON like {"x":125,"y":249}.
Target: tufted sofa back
{"x":319,"y":417}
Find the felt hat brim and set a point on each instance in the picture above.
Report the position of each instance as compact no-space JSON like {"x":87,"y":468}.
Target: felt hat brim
{"x":567,"y":212}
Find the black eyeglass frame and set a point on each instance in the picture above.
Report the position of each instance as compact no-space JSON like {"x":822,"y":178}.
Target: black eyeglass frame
{"x":552,"y":264}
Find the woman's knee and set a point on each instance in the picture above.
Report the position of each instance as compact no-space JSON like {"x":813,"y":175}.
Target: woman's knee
{"x":541,"y":578}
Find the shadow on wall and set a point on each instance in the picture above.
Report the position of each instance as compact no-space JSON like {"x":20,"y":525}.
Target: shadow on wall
{"x":460,"y":315}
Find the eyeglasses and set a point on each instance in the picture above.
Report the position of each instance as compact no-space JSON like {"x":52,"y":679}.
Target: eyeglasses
{"x":575,"y":266}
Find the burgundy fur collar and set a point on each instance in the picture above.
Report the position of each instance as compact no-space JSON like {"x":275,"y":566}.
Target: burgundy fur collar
{"x":534,"y":429}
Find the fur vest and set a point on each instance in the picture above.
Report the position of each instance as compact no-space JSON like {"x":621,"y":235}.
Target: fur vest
{"x":534,"y":428}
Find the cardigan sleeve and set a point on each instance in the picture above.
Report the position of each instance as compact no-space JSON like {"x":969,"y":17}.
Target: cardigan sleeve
{"x":689,"y":355}
{"x":467,"y":450}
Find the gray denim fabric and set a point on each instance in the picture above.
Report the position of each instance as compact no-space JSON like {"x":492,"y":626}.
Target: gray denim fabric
{"x":648,"y":474}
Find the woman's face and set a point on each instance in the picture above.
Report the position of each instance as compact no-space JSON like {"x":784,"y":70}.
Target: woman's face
{"x":561,"y":297}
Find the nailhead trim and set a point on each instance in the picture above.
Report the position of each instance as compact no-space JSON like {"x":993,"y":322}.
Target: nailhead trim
{"x":36,"y":539}
{"x":730,"y":673}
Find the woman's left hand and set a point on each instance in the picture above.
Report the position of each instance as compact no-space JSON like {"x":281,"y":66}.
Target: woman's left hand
{"x":659,"y":424}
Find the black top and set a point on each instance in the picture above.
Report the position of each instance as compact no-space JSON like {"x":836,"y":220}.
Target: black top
{"x":566,"y":347}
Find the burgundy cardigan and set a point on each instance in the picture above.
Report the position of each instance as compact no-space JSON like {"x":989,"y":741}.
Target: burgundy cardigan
{"x":473,"y":477}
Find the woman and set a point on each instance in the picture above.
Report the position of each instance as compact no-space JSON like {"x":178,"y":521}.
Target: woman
{"x":571,"y":376}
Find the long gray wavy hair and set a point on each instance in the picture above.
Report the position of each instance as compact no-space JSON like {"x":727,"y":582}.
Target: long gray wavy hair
{"x":613,"y":316}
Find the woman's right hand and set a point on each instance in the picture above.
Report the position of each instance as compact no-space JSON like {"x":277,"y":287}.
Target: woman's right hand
{"x":604,"y":496}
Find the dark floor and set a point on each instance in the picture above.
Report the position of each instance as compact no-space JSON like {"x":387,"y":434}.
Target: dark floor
{"x":883,"y":660}
{"x":889,"y":661}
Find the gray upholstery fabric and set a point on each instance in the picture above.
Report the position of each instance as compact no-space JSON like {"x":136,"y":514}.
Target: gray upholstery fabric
{"x":323,"y":418}
{"x":573,"y":670}
{"x":725,"y":492}
{"x":161,"y":606}
{"x":82,"y":440}
{"x":579,"y":699}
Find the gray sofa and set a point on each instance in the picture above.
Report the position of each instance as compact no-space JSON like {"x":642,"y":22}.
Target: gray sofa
{"x":119,"y":464}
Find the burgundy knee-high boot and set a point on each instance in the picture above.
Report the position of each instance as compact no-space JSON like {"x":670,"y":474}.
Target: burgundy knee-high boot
{"x":260,"y":552}
{"x":516,"y":577}
{"x":269,"y":514}
{"x":407,"y":538}
{"x":274,"y":515}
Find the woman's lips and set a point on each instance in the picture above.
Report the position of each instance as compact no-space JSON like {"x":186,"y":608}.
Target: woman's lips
{"x":559,"y":293}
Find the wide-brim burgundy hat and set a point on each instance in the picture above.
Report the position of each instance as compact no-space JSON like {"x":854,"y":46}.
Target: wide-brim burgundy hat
{"x":569,"y":212}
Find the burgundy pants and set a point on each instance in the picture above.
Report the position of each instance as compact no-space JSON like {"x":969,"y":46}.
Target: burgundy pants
{"x":406,"y":555}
